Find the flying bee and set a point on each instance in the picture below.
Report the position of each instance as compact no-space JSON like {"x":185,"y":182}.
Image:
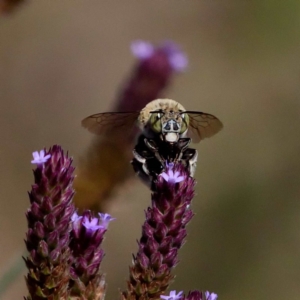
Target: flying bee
{"x":167,"y":129}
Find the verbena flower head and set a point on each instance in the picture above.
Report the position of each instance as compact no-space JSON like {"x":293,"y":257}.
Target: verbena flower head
{"x":154,"y":70}
{"x":40,"y":157}
{"x":172,"y":296}
{"x":49,"y":227}
{"x":86,"y":237}
{"x":163,"y":234}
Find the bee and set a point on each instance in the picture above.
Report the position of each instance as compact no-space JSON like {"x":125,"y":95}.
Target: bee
{"x":166,"y":131}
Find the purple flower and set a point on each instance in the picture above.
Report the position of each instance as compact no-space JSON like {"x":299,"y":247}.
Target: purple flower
{"x":176,"y":58}
{"x":91,"y":224}
{"x":172,"y":177}
{"x":75,"y":217}
{"x":40,"y":158}
{"x":142,"y":49}
{"x":210,"y":296}
{"x":172,"y":296}
{"x":49,"y":216}
{"x":163,"y":234}
{"x":86,"y":238}
{"x":105,"y":219}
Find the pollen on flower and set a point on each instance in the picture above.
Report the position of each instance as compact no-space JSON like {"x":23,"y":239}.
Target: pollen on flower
{"x":172,"y":296}
{"x":210,"y":296}
{"x":40,"y":157}
{"x":105,"y":219}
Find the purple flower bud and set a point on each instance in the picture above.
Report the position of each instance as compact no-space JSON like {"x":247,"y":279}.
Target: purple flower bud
{"x":54,"y":255}
{"x":194,"y":295}
{"x":39,"y":230}
{"x":43,"y":248}
{"x":53,"y":239}
{"x":170,"y":258}
{"x":49,"y":221}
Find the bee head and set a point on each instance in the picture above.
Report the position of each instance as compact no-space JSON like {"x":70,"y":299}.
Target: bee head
{"x":170,"y":124}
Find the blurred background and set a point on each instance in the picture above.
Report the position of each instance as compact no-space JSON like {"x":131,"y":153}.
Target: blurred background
{"x":63,"y":60}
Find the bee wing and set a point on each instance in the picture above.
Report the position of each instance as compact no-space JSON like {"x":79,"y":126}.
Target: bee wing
{"x":202,"y":125}
{"x":110,"y":122}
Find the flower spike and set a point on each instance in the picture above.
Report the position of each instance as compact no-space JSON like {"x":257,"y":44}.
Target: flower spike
{"x":163,"y":234}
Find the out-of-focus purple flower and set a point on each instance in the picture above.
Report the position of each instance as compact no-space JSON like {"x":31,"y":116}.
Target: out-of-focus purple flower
{"x":105,"y":219}
{"x":177,"y":58}
{"x":8,"y":6}
{"x":163,"y":234}
{"x":142,"y":49}
{"x":210,"y":296}
{"x":172,"y":296}
{"x":49,"y":220}
{"x":40,"y":158}
{"x":156,"y":66}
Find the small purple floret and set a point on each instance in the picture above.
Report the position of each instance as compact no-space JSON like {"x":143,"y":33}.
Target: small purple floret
{"x":40,"y":158}
{"x":178,"y":60}
{"x":105,"y":219}
{"x":92,"y":224}
{"x":172,"y":296}
{"x":75,"y":217}
{"x":210,"y":296}
{"x":142,"y":49}
{"x":171,"y":176}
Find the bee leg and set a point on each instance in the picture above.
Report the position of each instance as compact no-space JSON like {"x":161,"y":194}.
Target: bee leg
{"x":139,"y":166}
{"x":153,"y":147}
{"x":193,"y":163}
